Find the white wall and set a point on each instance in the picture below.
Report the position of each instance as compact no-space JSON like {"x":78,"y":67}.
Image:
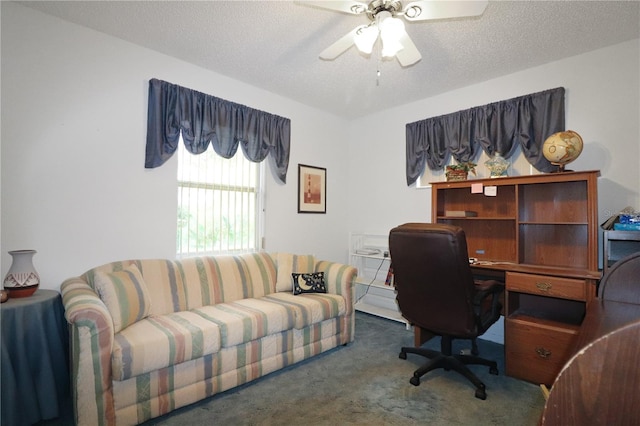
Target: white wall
{"x":74,"y":186}
{"x":602,"y":104}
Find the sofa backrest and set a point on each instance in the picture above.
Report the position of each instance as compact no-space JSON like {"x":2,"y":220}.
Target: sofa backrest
{"x":190,"y":283}
{"x":216,"y":279}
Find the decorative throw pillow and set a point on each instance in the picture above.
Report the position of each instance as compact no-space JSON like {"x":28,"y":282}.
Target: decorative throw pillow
{"x":308,"y":283}
{"x":289,"y":263}
{"x":125,"y":294}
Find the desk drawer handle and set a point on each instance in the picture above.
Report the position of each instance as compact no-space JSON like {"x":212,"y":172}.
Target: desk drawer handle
{"x":544,"y":286}
{"x":543,"y":353}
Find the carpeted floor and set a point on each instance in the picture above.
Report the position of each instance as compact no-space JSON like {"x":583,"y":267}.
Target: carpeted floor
{"x":365,"y":383}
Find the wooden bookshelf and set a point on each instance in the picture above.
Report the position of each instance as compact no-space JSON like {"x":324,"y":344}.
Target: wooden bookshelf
{"x":540,"y":234}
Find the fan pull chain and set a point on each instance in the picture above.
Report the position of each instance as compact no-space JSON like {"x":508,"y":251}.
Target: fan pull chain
{"x":378,"y":56}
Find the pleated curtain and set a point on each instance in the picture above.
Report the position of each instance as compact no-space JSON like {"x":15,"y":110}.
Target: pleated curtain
{"x":494,"y":128}
{"x":203,"y":119}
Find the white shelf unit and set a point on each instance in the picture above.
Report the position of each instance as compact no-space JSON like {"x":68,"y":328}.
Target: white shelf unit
{"x":373,"y":296}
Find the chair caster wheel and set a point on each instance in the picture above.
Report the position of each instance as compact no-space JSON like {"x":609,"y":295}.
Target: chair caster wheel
{"x":493,"y":370}
{"x":415,"y":381}
{"x":403,"y":355}
{"x":481,"y":394}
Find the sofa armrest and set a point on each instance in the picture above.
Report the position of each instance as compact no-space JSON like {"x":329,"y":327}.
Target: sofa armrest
{"x":340,"y":279}
{"x":91,"y":336}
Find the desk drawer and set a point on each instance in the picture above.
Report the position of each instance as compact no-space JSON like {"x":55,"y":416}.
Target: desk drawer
{"x":536,"y":352}
{"x":545,"y":285}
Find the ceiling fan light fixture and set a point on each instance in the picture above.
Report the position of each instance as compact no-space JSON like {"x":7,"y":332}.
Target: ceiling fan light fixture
{"x":366,"y":38}
{"x":390,"y":48}
{"x":392,"y":28}
{"x":387,"y":13}
{"x":391,"y":32}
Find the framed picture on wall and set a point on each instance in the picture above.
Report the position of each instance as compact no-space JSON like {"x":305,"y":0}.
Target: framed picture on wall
{"x":312,"y":189}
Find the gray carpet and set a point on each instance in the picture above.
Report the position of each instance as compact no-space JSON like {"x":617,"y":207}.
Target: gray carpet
{"x":365,"y":383}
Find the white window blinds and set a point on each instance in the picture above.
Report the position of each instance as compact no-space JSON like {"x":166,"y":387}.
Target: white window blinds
{"x":219,"y":204}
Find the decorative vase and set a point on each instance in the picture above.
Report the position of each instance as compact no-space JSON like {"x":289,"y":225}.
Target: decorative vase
{"x":22,"y":280}
{"x":497,"y":166}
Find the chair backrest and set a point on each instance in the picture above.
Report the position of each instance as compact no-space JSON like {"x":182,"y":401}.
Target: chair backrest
{"x":621,"y":283}
{"x":432,"y":276}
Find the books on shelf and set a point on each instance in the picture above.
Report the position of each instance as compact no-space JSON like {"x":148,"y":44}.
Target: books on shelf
{"x":460,"y":213}
{"x":389,"y":280}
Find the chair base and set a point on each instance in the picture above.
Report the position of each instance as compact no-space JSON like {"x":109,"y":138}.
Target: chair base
{"x":457,"y":363}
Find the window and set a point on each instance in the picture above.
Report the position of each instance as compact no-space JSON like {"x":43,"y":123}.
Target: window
{"x":219,"y":203}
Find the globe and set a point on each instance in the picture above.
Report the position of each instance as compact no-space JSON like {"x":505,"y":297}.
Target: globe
{"x":562,"y":148}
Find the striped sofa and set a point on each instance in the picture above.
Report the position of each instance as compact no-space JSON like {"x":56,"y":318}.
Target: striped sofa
{"x":150,"y":336}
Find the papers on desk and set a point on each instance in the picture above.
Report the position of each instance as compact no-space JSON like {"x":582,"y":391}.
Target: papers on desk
{"x":491,"y":262}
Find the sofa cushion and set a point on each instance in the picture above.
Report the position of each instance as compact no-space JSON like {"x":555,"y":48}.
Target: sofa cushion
{"x":289,"y":263}
{"x":162,"y":341}
{"x":125,"y":295}
{"x":311,"y":308}
{"x":164,"y":283}
{"x":309,"y":283}
{"x":248,"y":319}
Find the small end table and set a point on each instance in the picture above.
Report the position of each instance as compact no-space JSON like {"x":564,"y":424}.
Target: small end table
{"x":35,"y":358}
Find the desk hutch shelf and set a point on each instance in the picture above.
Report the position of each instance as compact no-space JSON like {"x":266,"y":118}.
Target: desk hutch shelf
{"x":540,"y":234}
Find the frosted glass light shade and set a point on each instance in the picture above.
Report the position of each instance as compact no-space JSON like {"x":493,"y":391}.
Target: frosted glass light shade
{"x":366,"y":38}
{"x":391,"y":31}
{"x":391,"y":28}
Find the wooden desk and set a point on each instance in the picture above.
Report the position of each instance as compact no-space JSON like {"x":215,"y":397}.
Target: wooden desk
{"x":543,"y":308}
{"x":541,"y":232}
{"x":599,"y":385}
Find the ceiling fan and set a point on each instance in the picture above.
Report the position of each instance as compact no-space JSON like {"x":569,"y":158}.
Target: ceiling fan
{"x":386,"y":24}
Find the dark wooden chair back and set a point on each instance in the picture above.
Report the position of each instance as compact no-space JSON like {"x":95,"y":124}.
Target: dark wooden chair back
{"x":599,"y":385}
{"x":621,"y":283}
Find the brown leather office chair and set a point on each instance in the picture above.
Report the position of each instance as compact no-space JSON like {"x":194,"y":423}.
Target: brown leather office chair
{"x":621,"y":283}
{"x":436,"y":291}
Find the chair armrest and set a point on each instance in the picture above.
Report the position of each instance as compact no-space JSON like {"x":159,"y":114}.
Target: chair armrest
{"x":486,"y":302}
{"x":487,"y":288}
{"x":91,"y":337}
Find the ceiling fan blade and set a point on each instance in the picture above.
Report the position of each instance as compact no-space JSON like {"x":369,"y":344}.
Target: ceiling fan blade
{"x":409,"y":54}
{"x":340,"y":46}
{"x":438,"y":9}
{"x":345,"y":6}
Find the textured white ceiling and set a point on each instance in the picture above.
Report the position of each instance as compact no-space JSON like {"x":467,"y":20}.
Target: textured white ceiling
{"x":275,"y":44}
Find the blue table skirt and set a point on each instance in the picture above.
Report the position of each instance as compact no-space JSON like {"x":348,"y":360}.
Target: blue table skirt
{"x":34,"y":363}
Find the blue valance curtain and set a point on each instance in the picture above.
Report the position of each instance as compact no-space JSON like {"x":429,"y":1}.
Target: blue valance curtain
{"x":497,"y":127}
{"x":204,"y":119}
